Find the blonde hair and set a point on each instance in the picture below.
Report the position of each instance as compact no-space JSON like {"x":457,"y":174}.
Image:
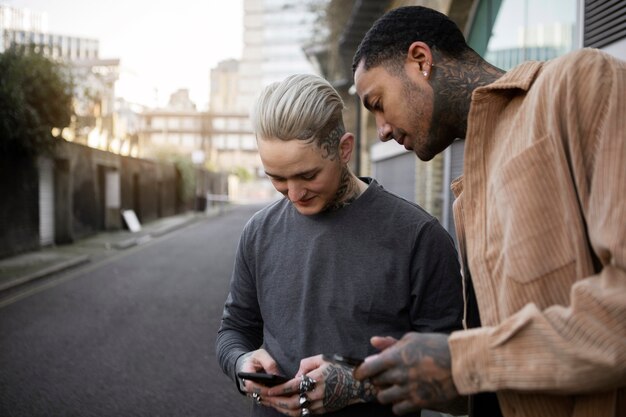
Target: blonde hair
{"x":304,"y":107}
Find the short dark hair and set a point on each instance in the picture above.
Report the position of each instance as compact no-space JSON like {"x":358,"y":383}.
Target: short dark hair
{"x":392,"y":34}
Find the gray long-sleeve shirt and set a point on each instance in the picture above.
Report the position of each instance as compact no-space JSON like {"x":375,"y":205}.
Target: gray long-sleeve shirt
{"x":305,"y":285}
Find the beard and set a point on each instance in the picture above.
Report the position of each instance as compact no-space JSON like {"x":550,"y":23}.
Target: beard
{"x":441,"y":130}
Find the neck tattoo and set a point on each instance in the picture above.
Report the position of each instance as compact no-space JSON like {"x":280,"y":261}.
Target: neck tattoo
{"x":347,"y":192}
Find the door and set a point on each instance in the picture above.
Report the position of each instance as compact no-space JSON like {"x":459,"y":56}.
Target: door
{"x":46,"y":201}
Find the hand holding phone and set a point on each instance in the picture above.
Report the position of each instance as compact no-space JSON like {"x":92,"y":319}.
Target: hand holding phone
{"x":269,"y":380}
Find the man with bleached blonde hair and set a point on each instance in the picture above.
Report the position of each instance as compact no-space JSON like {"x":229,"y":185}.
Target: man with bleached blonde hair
{"x":336,"y":261}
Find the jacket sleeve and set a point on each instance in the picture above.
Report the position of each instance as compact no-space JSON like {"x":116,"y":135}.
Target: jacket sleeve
{"x":579,"y":347}
{"x":241,"y":328}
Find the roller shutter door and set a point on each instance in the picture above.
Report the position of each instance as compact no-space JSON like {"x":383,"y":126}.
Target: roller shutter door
{"x":397,"y":174}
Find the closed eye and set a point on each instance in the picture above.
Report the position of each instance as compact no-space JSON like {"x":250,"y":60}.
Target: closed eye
{"x":276,"y":179}
{"x":308,"y":177}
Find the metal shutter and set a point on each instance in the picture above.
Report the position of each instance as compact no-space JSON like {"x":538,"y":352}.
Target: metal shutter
{"x":397,"y":174}
{"x":604,"y":22}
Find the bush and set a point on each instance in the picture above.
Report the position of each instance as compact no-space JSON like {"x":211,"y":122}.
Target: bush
{"x":34,"y":98}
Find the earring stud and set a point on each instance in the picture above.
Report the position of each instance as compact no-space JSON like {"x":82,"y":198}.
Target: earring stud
{"x":425,"y":73}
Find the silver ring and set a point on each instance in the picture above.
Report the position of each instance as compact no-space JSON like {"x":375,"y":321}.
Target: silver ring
{"x":256,"y":397}
{"x":304,"y":401}
{"x":307,"y":384}
{"x":305,"y":412}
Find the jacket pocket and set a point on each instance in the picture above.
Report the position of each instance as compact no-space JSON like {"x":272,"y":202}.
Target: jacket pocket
{"x":534,"y":212}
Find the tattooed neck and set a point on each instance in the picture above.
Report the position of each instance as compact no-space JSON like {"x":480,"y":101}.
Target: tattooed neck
{"x":347,"y":192}
{"x":454,"y":80}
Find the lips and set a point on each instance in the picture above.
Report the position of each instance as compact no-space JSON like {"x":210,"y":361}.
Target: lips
{"x":400,"y":139}
{"x":305,"y":201}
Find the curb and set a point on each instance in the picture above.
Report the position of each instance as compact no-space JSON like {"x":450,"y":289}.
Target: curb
{"x":69,"y":263}
{"x":81,"y":259}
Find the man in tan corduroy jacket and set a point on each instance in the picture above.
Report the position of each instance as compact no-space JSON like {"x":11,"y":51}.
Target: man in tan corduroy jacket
{"x":540,"y":216}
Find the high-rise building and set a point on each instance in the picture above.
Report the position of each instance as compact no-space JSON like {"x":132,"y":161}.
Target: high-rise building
{"x":224,"y":86}
{"x":275,"y":32}
{"x":12,"y":18}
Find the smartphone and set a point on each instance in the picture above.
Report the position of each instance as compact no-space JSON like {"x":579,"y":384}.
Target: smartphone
{"x":343,"y":360}
{"x":269,"y":380}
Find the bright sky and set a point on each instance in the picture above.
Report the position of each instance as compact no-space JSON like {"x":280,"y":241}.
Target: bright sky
{"x":162,"y":45}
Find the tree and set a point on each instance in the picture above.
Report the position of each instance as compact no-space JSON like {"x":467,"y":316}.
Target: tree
{"x":35,"y":96}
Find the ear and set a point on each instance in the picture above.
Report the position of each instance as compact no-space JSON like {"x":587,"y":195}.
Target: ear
{"x":346,"y":146}
{"x":419,"y":59}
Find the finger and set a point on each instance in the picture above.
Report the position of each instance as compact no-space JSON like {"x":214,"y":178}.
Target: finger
{"x":267,"y":362}
{"x":391,"y":376}
{"x":288,"y":388}
{"x":253,"y":387}
{"x":284,"y":404}
{"x":317,"y":407}
{"x":393,"y":394}
{"x":382,"y":343}
{"x":405,"y":407}
{"x":372,"y":366}
{"x":309,"y":364}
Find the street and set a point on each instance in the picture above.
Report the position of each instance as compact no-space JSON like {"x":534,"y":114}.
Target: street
{"x":132,"y":335}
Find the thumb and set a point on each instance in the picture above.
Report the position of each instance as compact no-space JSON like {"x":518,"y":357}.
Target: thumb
{"x":268,"y":363}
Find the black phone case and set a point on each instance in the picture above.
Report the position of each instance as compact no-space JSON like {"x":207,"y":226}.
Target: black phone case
{"x":268,"y":380}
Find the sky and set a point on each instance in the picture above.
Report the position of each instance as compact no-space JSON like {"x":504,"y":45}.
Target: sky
{"x":162,"y":45}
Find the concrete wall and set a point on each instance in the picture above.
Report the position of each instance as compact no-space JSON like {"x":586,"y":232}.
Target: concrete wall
{"x":19,"y":205}
{"x":149,"y":188}
{"x":91,"y":188}
{"x":80,"y":175}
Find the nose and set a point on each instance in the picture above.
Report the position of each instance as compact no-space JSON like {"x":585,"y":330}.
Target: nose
{"x":295,"y":192}
{"x":384,"y":129}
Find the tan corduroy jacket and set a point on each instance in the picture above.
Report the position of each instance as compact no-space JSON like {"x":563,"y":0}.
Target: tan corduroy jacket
{"x":541,"y":221}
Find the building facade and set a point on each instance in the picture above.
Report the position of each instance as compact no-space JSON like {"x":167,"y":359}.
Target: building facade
{"x":275,"y":32}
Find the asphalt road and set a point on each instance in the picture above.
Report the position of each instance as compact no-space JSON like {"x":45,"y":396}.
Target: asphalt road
{"x":133,"y":335}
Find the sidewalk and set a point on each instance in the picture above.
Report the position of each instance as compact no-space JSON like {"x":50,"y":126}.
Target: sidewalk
{"x":33,"y":265}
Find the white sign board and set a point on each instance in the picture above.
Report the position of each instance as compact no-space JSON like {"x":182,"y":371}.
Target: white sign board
{"x":131,"y":220}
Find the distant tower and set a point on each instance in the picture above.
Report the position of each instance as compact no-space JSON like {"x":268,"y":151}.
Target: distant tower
{"x":224,"y":87}
{"x":274,"y":34}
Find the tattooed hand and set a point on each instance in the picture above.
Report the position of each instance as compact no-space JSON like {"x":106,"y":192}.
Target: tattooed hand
{"x":335,"y":388}
{"x":413,"y":373}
